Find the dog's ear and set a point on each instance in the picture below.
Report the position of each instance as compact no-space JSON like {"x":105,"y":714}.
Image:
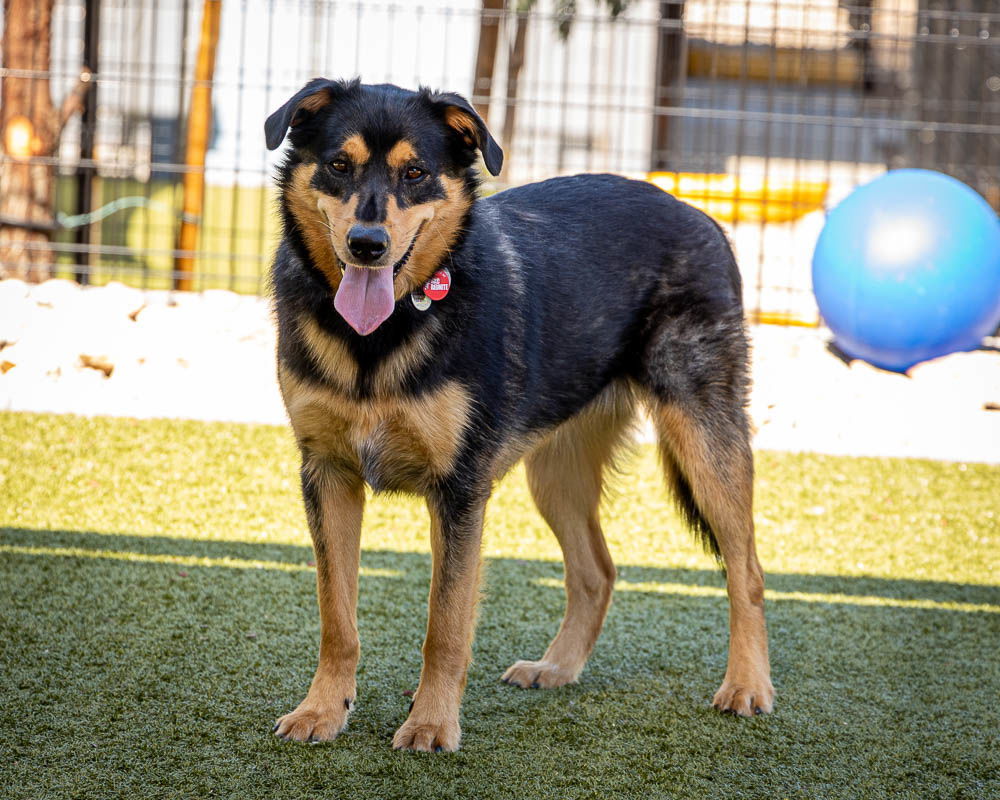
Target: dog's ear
{"x":462,"y":118}
{"x":315,"y":95}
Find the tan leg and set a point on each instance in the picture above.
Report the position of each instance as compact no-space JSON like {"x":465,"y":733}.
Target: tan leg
{"x":334,"y":508}
{"x":717,"y":464}
{"x":456,"y":533}
{"x":565,"y":475}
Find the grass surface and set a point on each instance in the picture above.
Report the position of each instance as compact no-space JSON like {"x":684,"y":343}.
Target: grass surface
{"x":159,"y":613}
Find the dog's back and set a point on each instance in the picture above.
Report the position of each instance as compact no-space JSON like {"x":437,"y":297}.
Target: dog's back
{"x":573,"y":277}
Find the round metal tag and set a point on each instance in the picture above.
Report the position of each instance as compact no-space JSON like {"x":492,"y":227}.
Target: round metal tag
{"x":420,"y":301}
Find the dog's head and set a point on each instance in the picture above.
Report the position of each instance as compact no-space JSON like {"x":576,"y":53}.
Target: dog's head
{"x":378,"y":182}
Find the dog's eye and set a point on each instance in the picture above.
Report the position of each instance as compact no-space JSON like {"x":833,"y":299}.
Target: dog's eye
{"x":414,"y":174}
{"x":339,"y":165}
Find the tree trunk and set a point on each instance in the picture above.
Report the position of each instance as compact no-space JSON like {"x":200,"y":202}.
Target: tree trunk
{"x":514,"y":65}
{"x":30,"y":131}
{"x":486,"y":56}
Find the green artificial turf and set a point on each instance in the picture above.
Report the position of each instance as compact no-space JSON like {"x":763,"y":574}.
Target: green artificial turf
{"x":158,"y":613}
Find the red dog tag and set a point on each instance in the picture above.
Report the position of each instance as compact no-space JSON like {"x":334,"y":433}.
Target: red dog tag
{"x":439,"y":284}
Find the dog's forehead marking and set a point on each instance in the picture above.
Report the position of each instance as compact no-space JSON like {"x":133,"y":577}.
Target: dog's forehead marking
{"x":401,"y":154}
{"x":356,"y":147}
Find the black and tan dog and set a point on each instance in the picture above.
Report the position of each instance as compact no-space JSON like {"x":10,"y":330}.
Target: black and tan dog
{"x":428,"y":340}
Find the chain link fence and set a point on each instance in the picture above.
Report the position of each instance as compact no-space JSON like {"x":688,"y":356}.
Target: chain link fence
{"x":763,"y":112}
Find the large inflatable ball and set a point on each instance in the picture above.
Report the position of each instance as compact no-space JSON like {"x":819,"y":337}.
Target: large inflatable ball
{"x":907,"y":268}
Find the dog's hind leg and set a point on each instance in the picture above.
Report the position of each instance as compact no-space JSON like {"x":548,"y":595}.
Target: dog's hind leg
{"x":695,"y":364}
{"x":565,"y":475}
{"x":707,"y":458}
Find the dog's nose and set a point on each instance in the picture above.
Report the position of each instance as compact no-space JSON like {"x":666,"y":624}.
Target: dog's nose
{"x":366,"y":244}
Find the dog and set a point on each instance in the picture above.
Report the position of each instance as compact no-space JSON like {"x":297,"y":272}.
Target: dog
{"x":428,"y":340}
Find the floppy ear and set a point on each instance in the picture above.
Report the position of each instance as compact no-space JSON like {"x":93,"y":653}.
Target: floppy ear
{"x":316,"y":94}
{"x":462,"y":118}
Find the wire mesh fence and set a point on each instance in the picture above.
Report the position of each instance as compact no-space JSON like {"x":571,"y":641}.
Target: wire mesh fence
{"x":763,"y":112}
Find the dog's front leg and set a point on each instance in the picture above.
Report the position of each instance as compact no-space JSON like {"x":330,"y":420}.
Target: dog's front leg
{"x":334,"y":503}
{"x":456,"y":533}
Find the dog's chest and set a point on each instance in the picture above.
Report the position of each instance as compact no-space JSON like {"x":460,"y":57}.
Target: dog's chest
{"x":393,"y":451}
{"x":394,"y":444}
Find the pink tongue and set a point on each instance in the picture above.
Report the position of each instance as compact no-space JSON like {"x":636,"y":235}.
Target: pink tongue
{"x":365,"y":298}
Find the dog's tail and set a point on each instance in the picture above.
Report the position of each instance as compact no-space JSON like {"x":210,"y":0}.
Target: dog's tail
{"x":687,"y":505}
{"x":709,"y":468}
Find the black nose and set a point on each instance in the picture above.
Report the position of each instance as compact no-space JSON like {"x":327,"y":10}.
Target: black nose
{"x":366,"y":244}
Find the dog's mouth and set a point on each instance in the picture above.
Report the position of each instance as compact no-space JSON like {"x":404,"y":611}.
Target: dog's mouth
{"x":365,"y":297}
{"x":397,"y":267}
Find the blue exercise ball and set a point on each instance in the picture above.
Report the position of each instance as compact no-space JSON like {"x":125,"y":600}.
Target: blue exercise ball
{"x":907,"y":268}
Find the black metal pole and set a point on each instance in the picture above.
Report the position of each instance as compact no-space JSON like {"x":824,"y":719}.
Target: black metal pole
{"x":670,"y":70}
{"x":88,"y":130}
{"x":182,"y":89}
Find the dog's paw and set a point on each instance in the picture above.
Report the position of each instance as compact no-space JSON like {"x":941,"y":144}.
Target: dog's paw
{"x":538,"y":675}
{"x":745,"y":697}
{"x":428,"y":737}
{"x":312,"y":723}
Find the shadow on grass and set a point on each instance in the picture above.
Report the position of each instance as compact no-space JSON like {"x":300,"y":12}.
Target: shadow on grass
{"x":153,"y":666}
{"x":249,"y":555}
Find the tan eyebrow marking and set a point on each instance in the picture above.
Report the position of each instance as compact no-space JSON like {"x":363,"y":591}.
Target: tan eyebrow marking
{"x":356,"y":148}
{"x":401,"y":154}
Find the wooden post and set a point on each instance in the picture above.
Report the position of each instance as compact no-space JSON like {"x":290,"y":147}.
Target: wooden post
{"x":486,"y":55}
{"x":515,"y":62}
{"x":199,"y":129}
{"x":30,"y":128}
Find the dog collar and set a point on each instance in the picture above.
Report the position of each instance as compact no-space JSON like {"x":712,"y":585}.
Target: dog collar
{"x":436,"y":288}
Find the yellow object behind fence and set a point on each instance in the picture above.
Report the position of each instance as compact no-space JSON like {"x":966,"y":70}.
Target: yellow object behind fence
{"x":729,"y":198}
